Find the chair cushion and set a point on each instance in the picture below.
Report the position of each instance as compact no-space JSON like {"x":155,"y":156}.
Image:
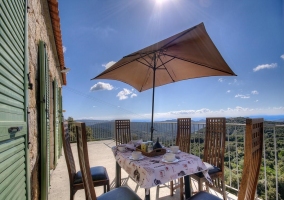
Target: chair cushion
{"x":98,"y":173}
{"x":211,"y":171}
{"x":121,"y":193}
{"x":204,"y":196}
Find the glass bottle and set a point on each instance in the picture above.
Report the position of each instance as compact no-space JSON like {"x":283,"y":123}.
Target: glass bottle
{"x":157,"y":145}
{"x":150,"y":147}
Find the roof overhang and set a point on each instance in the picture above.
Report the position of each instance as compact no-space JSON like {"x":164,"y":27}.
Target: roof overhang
{"x":55,"y":20}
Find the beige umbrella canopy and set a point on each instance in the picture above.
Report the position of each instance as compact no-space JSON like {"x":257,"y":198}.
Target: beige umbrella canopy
{"x":186,"y":55}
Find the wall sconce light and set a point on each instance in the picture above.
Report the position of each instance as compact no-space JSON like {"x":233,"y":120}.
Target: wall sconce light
{"x":65,"y":70}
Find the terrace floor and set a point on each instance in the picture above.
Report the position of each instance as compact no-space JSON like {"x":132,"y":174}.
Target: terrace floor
{"x":101,"y":154}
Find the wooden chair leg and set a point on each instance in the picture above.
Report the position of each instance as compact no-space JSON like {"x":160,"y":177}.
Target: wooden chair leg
{"x":200,"y":188}
{"x":224,"y":191}
{"x":172,"y":188}
{"x":108,"y":189}
{"x":72,"y":193}
{"x":181,"y":188}
{"x":207,"y":186}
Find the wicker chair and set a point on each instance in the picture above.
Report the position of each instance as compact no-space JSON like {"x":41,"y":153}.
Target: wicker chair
{"x":117,"y":193}
{"x":214,"y":150}
{"x":252,"y":162}
{"x":122,"y":131}
{"x":98,"y":173}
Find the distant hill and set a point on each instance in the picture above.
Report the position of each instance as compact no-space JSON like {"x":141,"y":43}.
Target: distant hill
{"x":273,"y":118}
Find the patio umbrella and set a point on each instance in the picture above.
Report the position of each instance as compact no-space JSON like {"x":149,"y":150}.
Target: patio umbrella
{"x":186,"y":55}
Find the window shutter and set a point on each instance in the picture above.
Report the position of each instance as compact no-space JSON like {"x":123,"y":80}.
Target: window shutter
{"x":14,"y":158}
{"x":56,"y":121}
{"x":44,"y":119}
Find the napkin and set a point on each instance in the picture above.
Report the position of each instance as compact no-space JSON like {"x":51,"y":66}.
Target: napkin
{"x":135,"y":143}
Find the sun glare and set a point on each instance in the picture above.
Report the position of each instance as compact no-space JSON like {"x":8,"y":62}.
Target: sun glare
{"x":160,"y":1}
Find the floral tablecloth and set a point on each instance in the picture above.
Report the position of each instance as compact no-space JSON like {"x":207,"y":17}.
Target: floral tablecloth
{"x":151,"y":171}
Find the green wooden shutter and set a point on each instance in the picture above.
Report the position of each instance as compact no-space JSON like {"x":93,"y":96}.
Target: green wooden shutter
{"x":61,"y":118}
{"x":14,"y":158}
{"x":56,"y":120}
{"x":47,"y":106}
{"x":44,"y":119}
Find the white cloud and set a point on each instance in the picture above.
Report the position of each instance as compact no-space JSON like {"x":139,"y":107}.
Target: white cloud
{"x":101,"y":86}
{"x":108,"y":65}
{"x":229,"y":112}
{"x":125,"y":93}
{"x":202,"y":113}
{"x":256,"y":100}
{"x":265,"y":66}
{"x":220,"y":80}
{"x":228,"y":91}
{"x":254,"y":92}
{"x":64,"y":49}
{"x":282,"y":56}
{"x":242,"y":96}
{"x":103,"y":31}
{"x":133,"y":95}
{"x":235,"y":82}
{"x":98,"y":32}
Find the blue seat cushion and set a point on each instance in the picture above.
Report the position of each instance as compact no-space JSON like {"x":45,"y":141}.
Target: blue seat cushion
{"x":211,"y":171}
{"x":204,"y":196}
{"x":121,"y":193}
{"x":98,"y":173}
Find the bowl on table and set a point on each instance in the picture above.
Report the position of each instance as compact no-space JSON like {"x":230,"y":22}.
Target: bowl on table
{"x":169,"y":157}
{"x":121,"y":148}
{"x":174,"y":149}
{"x":136,"y":155}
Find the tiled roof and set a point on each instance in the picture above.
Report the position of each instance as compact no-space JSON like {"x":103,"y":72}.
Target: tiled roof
{"x":55,"y":20}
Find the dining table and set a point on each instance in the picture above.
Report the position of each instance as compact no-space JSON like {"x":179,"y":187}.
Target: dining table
{"x":149,"y":172}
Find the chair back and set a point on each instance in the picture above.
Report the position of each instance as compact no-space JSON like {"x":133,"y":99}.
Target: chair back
{"x":252,"y":158}
{"x":68,"y":152}
{"x":122,"y":131}
{"x":214,"y":147}
{"x":183,"y":134}
{"x":84,"y":161}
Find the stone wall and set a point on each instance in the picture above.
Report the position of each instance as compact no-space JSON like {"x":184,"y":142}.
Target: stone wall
{"x":39,"y":28}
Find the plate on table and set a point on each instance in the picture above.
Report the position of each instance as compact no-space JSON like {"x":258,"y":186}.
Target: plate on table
{"x":174,"y":161}
{"x":137,"y":159}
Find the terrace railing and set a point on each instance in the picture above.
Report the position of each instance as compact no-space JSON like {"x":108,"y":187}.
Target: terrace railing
{"x":271,"y":180}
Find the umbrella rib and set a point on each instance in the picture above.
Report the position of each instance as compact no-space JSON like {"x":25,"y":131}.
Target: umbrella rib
{"x":136,"y":59}
{"x":201,"y":64}
{"x":139,"y":53}
{"x":149,"y":64}
{"x":166,"y":67}
{"x":147,"y":53}
{"x":179,"y":36}
{"x":144,"y":64}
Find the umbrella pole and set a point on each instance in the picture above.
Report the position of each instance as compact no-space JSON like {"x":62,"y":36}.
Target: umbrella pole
{"x":153,"y":97}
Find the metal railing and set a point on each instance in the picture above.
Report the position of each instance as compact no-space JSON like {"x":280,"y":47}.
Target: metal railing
{"x":271,"y":179}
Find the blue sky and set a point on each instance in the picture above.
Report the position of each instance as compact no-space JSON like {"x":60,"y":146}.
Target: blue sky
{"x":249,"y":34}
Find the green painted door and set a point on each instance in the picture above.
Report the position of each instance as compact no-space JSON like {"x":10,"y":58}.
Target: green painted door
{"x":44,"y":120}
{"x":14,"y":158}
